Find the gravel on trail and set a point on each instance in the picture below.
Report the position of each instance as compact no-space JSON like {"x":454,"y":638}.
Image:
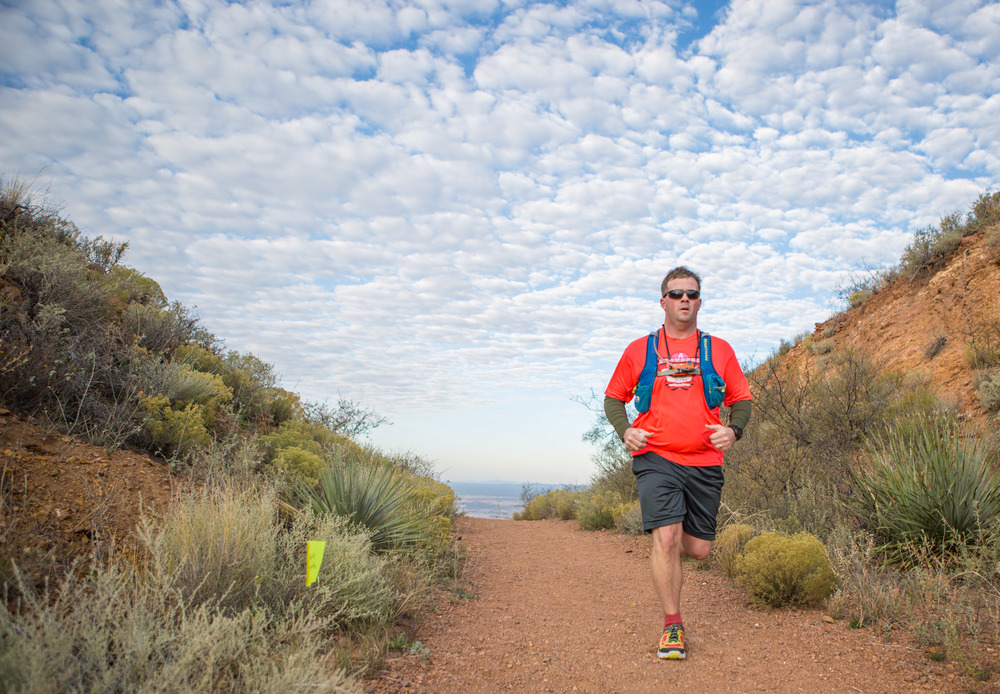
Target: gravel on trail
{"x":555,"y":608}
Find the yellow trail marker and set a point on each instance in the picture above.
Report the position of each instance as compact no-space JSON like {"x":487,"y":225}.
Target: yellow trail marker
{"x":314,"y":557}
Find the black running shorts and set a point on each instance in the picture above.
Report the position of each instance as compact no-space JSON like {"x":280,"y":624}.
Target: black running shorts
{"x":670,"y":493}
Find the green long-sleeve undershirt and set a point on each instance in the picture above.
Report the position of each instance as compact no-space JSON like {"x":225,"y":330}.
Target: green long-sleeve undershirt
{"x":614,"y":410}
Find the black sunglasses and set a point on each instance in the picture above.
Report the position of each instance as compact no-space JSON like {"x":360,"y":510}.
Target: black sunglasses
{"x":678,"y":293}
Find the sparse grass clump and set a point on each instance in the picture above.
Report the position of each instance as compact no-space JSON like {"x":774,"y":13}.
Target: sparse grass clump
{"x":779,"y":570}
{"x":989,"y":390}
{"x":119,"y":629}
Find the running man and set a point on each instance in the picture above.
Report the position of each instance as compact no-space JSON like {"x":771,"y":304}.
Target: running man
{"x":677,"y":445}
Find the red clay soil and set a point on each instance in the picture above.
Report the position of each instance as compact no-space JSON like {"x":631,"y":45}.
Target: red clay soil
{"x":61,"y":499}
{"x":560,"y":609}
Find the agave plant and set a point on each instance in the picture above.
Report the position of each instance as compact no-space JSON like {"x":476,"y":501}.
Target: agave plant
{"x":373,"y":496}
{"x":929,"y":482}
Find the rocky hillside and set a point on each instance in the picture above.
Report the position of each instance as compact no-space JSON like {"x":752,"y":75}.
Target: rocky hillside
{"x":921,"y":325}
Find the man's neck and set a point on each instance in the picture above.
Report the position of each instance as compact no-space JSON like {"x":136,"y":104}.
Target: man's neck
{"x":680,"y":332}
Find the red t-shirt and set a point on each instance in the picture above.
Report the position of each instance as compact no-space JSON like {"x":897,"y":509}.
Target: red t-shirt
{"x":677,"y":418}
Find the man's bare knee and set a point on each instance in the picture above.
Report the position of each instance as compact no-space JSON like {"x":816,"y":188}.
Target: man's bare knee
{"x":696,"y":548}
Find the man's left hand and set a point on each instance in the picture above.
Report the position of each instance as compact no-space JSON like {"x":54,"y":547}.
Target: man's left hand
{"x":722,"y":437}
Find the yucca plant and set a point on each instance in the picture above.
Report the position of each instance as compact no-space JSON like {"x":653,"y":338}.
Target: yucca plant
{"x":371,"y":495}
{"x":929,"y":483}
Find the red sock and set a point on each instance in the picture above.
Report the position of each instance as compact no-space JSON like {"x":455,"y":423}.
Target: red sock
{"x":669,"y":619}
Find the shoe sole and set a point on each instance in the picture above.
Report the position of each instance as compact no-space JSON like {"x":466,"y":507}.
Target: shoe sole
{"x":672,"y":655}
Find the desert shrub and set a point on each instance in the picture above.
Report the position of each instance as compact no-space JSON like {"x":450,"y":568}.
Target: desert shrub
{"x":355,"y":592}
{"x":174,"y":431}
{"x":250,"y":379}
{"x":281,"y":405}
{"x":628,"y":518}
{"x":806,"y":427}
{"x":729,"y":545}
{"x":823,"y":346}
{"x":182,"y":384}
{"x":130,"y":286}
{"x":595,"y":510}
{"x":989,"y":389}
{"x":299,"y":464}
{"x":779,"y":570}
{"x":200,"y":358}
{"x":554,"y":503}
{"x":985,"y":212}
{"x":935,"y":345}
{"x":566,"y":502}
{"x":436,"y":501}
{"x":611,"y":460}
{"x":217,"y":602}
{"x":407,"y":461}
{"x":372,"y":495}
{"x":229,"y":548}
{"x":830,"y":330}
{"x":540,"y":507}
{"x":859,"y":297}
{"x":299,"y":449}
{"x":158,"y":329}
{"x":927,"y":481}
{"x":929,"y":250}
{"x":216,"y":544}
{"x":982,"y":344}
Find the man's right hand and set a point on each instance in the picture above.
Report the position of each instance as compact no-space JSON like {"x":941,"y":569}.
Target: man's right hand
{"x":635,"y":439}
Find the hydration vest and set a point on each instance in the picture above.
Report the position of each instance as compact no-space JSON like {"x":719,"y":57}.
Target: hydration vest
{"x":712,"y":384}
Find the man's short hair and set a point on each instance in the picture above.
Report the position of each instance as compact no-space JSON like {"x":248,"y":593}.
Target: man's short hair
{"x":677,"y":273}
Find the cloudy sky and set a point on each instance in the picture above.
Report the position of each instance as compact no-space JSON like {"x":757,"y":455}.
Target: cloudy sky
{"x":458,"y":212}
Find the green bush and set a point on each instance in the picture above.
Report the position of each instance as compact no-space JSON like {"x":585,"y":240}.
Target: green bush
{"x":928,"y":482}
{"x":299,"y":464}
{"x":436,"y":501}
{"x":729,"y":545}
{"x":130,"y":286}
{"x":595,"y":510}
{"x":779,"y":570}
{"x":628,"y":518}
{"x":281,"y":405}
{"x":300,"y":449}
{"x":175,"y":431}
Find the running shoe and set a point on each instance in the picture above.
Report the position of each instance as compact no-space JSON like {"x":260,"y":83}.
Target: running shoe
{"x":672,"y":643}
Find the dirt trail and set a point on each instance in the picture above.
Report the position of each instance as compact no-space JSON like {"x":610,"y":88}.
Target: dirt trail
{"x":560,"y":609}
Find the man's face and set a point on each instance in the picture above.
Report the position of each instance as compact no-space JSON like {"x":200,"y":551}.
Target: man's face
{"x":682,"y":311}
